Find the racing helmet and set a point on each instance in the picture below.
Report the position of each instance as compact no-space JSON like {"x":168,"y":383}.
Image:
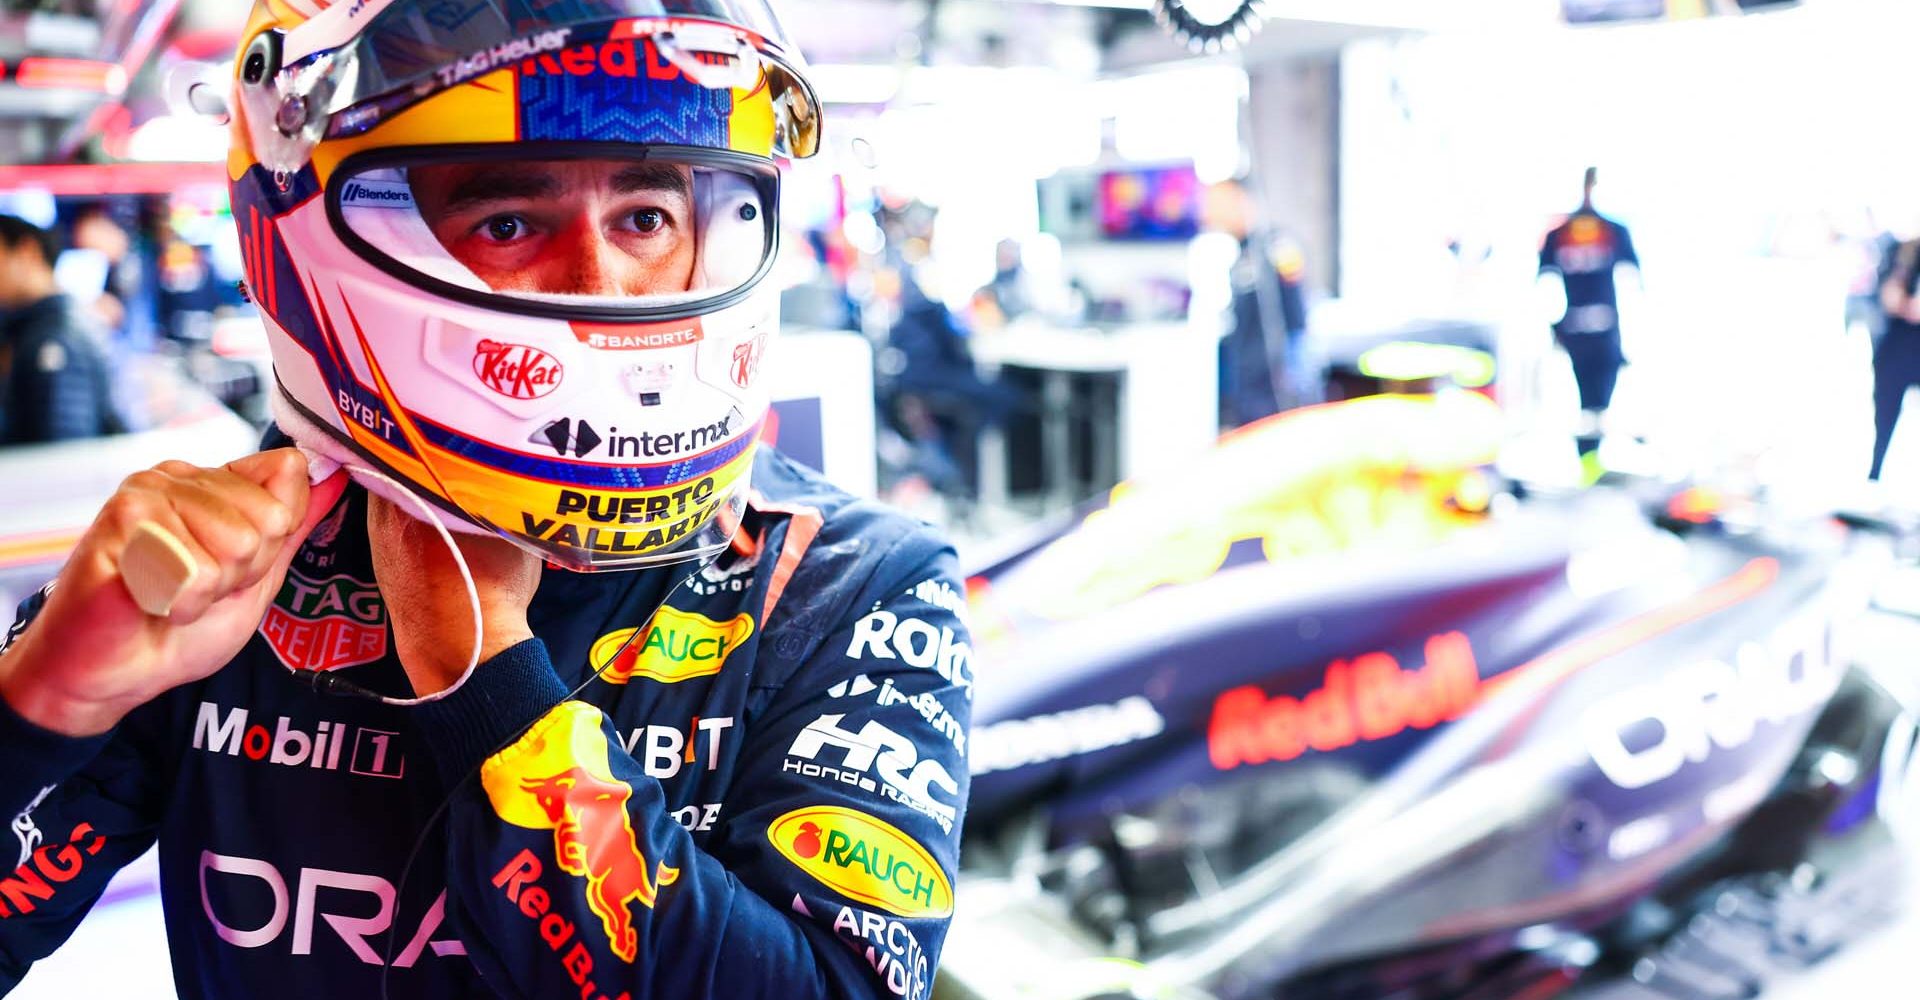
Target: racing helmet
{"x":511,"y":254}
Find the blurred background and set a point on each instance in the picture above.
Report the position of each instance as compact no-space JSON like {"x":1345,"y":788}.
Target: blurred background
{"x":1052,"y":247}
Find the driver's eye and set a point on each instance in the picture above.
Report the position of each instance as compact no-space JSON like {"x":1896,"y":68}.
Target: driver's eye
{"x":649,"y":220}
{"x":504,"y":228}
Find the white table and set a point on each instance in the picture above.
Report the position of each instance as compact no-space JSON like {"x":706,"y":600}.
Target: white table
{"x":1168,"y":375}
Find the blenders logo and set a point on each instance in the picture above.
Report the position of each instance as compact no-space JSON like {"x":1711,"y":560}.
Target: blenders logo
{"x":325,"y":623}
{"x":516,"y":370}
{"x":376,"y":194}
{"x":746,"y":360}
{"x":677,"y":645}
{"x":864,"y":859}
{"x":1371,"y":698}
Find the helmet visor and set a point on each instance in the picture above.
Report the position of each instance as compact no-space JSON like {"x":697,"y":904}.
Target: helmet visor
{"x":410,"y":50}
{"x":600,"y":231}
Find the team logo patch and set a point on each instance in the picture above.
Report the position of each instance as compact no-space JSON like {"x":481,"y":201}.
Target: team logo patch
{"x":325,"y":623}
{"x":675,"y":646}
{"x":557,"y":778}
{"x":864,"y":859}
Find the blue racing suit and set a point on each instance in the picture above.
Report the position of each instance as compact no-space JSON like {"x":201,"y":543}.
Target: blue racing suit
{"x":759,"y":796}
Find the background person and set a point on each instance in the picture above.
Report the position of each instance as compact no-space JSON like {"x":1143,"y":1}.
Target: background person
{"x":54,"y":378}
{"x":1584,"y":252}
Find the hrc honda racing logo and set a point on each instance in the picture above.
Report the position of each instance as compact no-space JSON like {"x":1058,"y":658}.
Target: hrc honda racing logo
{"x":875,"y":749}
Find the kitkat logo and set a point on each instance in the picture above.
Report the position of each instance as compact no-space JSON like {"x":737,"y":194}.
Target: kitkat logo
{"x":746,"y":360}
{"x":516,"y":370}
{"x":1370,"y":698}
{"x":864,"y":859}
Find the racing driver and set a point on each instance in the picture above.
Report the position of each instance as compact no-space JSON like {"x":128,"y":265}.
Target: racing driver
{"x":517,"y":669}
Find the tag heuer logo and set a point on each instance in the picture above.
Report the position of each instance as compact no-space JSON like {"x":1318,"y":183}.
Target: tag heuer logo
{"x":326,"y":623}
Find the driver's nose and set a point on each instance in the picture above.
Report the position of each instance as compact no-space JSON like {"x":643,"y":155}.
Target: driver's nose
{"x":586,"y":262}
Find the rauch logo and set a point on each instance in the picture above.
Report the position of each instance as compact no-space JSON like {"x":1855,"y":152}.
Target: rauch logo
{"x":677,"y":645}
{"x":516,"y":370}
{"x":1371,"y":698}
{"x":864,"y":859}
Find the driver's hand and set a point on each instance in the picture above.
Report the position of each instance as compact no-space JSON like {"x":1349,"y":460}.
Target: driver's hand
{"x":92,"y":655}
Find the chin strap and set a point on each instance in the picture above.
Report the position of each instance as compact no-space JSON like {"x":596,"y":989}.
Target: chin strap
{"x":321,"y":466}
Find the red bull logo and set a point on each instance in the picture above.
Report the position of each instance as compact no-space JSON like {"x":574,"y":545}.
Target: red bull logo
{"x":557,"y":778}
{"x":1371,"y":698}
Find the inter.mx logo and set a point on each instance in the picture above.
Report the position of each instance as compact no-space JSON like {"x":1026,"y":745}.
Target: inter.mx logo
{"x":328,"y":746}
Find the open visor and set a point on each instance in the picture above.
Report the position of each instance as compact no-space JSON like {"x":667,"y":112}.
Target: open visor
{"x":573,"y":231}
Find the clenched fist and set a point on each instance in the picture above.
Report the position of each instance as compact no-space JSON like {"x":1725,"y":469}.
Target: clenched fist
{"x":92,"y":655}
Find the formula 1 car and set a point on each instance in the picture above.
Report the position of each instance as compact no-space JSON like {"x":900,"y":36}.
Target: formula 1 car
{"x":1330,"y":714}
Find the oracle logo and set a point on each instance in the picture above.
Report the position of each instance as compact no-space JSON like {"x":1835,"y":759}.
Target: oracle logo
{"x":516,"y":370}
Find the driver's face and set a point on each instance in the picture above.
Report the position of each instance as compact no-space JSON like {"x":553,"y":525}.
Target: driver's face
{"x":578,"y":227}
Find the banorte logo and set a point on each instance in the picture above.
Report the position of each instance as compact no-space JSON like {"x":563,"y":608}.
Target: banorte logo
{"x":516,"y":370}
{"x":864,"y":859}
{"x":677,"y":645}
{"x":557,"y":778}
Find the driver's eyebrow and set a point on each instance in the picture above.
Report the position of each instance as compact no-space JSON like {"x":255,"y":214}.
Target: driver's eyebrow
{"x":500,"y":184}
{"x":643,"y":177}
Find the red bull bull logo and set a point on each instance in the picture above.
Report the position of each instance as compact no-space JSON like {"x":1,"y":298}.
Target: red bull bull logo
{"x":557,"y":778}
